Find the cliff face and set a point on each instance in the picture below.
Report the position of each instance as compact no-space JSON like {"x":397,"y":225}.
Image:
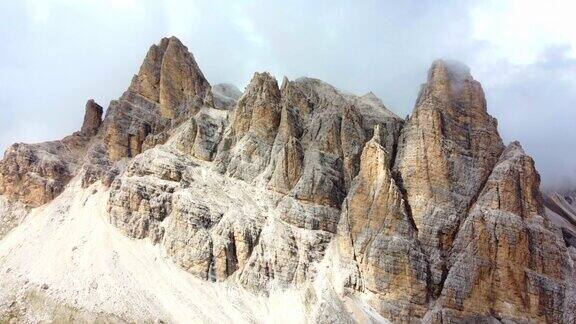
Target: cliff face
{"x":300,"y":186}
{"x":447,"y":150}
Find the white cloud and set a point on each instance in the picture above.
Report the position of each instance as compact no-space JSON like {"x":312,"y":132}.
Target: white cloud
{"x":521,"y":30}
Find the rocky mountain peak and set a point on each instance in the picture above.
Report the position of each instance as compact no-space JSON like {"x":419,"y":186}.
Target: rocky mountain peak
{"x":171,"y":77}
{"x":449,"y":70}
{"x":303,"y":192}
{"x":92,"y":118}
{"x":513,"y":149}
{"x":259,"y":106}
{"x":447,"y":150}
{"x":451,"y":81}
{"x":376,"y":136}
{"x":370,"y":96}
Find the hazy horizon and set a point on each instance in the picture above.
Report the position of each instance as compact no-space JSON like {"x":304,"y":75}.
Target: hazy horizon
{"x":57,"y":54}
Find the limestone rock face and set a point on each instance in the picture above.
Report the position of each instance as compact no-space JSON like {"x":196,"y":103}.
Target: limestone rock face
{"x":446,"y":152}
{"x":11,"y":215}
{"x":301,"y":190}
{"x":34,"y":174}
{"x":168,"y":89}
{"x":128,"y":122}
{"x":560,"y":208}
{"x":200,"y":135}
{"x":320,"y":139}
{"x":319,"y":128}
{"x":171,"y":77}
{"x":377,"y":230}
{"x":208,"y":232}
{"x":92,"y":118}
{"x":509,"y":263}
{"x":245,"y":149}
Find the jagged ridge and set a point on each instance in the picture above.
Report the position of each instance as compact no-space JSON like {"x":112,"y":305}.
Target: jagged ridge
{"x":425,"y":219}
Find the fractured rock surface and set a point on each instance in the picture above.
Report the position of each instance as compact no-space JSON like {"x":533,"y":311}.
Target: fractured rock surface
{"x":383,"y":241}
{"x":171,"y":77}
{"x":509,"y":262}
{"x":446,"y":152}
{"x":34,"y":174}
{"x":301,"y":188}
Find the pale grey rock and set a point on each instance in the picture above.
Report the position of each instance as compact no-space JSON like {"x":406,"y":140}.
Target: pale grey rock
{"x":319,"y":128}
{"x":129,"y":120}
{"x":284,"y":257}
{"x":245,"y":149}
{"x":11,"y":215}
{"x":199,"y":136}
{"x":169,"y":197}
{"x":561,"y":210}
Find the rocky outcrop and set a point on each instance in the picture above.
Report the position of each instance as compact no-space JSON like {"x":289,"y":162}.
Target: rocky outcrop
{"x":171,"y":77}
{"x":306,"y":188}
{"x":168,"y":89}
{"x":509,"y":263}
{"x":128,"y":122}
{"x":34,"y":174}
{"x":167,"y":197}
{"x":245,"y":149}
{"x":92,"y":118}
{"x":200,"y":135}
{"x":446,"y":152}
{"x":319,"y":129}
{"x":378,"y":232}
{"x":291,"y":140}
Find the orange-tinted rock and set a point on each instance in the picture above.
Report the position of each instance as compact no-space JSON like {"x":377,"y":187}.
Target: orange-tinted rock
{"x":509,"y":263}
{"x":445,"y":153}
{"x":92,"y":118}
{"x":245,"y":149}
{"x":171,"y":77}
{"x":383,"y":239}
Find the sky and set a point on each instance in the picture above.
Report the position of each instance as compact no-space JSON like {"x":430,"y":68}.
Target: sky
{"x":57,"y":54}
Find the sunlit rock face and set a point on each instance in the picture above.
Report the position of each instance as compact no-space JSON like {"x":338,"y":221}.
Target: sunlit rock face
{"x":301,"y":189}
{"x":34,"y":174}
{"x":447,"y":150}
{"x":508,"y":262}
{"x":171,"y":77}
{"x":379,"y":235}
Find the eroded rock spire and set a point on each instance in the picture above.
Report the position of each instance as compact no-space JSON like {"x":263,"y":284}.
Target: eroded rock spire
{"x":92,"y":118}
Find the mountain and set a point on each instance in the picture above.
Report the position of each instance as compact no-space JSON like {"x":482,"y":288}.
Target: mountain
{"x":292,"y":202}
{"x":561,"y":210}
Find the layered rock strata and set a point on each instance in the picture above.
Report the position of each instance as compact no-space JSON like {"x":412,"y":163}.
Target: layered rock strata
{"x":447,"y":150}
{"x":303,"y":186}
